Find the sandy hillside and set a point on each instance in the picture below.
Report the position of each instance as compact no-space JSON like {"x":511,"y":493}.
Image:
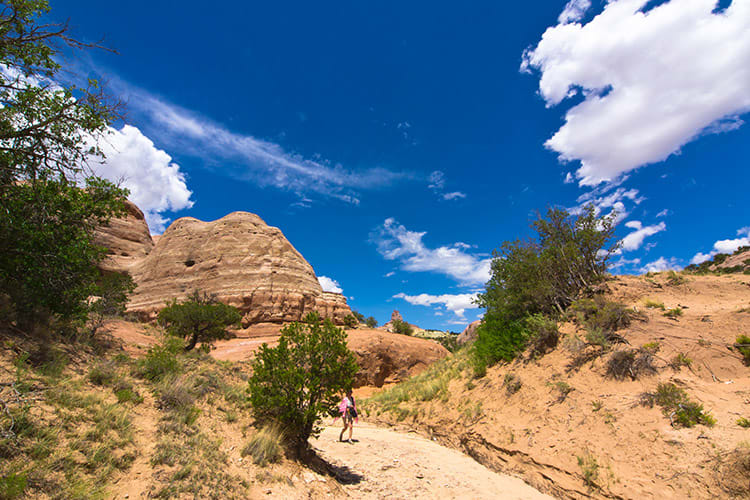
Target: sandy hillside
{"x":576,"y":432}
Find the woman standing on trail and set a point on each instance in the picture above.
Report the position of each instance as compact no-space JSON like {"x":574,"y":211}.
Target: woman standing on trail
{"x":348,"y":410}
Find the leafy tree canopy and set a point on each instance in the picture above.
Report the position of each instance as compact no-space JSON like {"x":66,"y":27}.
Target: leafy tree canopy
{"x":47,"y":128}
{"x":200,"y":318}
{"x":298,"y":381}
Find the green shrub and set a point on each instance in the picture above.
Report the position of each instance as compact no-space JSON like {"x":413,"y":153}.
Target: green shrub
{"x":450,"y":342}
{"x":652,"y":347}
{"x":265,"y":446}
{"x":674,"y":313}
{"x":543,"y":334}
{"x":680,"y":360}
{"x":742,"y":343}
{"x":676,"y":405}
{"x":299,"y":380}
{"x":601,"y":314}
{"x":128,"y":395}
{"x":371,"y":322}
{"x":161,"y":360}
{"x":498,"y":340}
{"x":200,"y":318}
{"x":743,"y":422}
{"x":402,"y":327}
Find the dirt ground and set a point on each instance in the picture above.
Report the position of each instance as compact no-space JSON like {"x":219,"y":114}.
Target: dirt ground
{"x":383,"y":463}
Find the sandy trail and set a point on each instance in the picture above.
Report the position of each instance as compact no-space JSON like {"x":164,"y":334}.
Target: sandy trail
{"x":389,"y":464}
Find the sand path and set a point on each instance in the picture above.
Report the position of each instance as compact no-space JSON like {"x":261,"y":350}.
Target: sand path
{"x":389,"y":464}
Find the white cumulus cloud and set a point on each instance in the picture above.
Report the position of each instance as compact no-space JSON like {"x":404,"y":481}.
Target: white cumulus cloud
{"x":634,"y":240}
{"x":155,"y":182}
{"x":395,"y":242}
{"x":329,"y":285}
{"x":652,"y":81}
{"x":728,"y":246}
{"x":455,"y":303}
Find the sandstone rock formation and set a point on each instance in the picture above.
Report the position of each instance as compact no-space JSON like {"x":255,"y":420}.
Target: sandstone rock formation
{"x":127,"y":238}
{"x":469,"y":334}
{"x":387,"y":358}
{"x":239,"y":258}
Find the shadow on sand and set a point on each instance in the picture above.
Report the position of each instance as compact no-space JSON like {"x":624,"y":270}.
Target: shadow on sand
{"x":341,"y":473}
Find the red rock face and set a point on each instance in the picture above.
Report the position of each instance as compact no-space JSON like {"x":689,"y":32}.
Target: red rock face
{"x":239,"y":258}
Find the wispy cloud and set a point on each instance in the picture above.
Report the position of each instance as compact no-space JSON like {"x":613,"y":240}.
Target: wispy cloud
{"x":395,"y":242}
{"x":651,"y":81}
{"x":634,"y":239}
{"x":454,"y":303}
{"x":436,"y":183}
{"x":246,"y":157}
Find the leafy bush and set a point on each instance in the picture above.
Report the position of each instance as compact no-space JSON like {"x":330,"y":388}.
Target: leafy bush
{"x":498,"y":339}
{"x":200,"y":318}
{"x":161,"y":360}
{"x":680,"y":360}
{"x":371,"y":322}
{"x":674,"y":313}
{"x":674,"y":279}
{"x":402,"y":327}
{"x":265,"y":446}
{"x":543,"y":334}
{"x":742,"y":343}
{"x":599,"y":313}
{"x":743,"y":422}
{"x":296,"y":382}
{"x":676,"y":405}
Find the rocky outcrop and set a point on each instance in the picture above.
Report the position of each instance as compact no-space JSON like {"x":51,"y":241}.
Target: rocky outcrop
{"x":239,"y":258}
{"x":127,"y":239}
{"x":469,"y":334}
{"x":385,"y":358}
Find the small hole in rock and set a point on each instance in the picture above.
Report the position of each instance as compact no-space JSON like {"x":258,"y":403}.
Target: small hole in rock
{"x":190,"y":263}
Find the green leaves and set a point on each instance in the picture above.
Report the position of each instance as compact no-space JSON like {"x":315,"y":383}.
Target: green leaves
{"x":296,"y":382}
{"x":201,"y":318}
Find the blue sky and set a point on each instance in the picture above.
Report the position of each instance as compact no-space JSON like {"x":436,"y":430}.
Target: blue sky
{"x":396,"y":144}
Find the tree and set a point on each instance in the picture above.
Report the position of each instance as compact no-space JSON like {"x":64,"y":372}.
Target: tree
{"x":47,"y":128}
{"x":358,"y":316}
{"x":200,"y":318}
{"x":371,"y":322}
{"x":47,"y":259}
{"x":298,"y":381}
{"x":402,"y":327}
{"x":350,"y":321}
{"x":544,"y":276}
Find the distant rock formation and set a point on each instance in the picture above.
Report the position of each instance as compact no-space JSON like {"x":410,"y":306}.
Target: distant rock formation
{"x":127,"y":239}
{"x":469,"y":334}
{"x":239,"y":258}
{"x":395,"y":315}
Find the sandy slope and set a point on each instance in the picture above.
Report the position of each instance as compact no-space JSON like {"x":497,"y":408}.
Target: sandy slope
{"x":539,"y":434}
{"x":388,"y":464}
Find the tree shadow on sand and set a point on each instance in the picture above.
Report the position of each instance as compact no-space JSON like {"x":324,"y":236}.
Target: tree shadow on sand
{"x":341,"y":473}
